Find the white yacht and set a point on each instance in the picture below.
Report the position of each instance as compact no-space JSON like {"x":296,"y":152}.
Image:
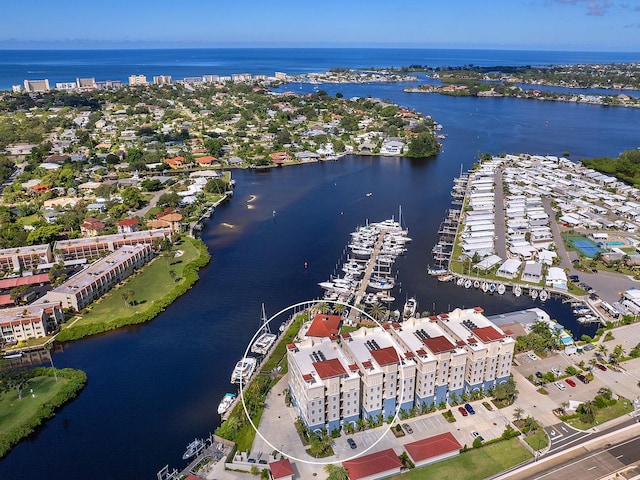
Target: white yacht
{"x":243,"y":370}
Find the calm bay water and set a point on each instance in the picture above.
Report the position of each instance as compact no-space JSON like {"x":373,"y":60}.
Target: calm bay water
{"x":153,"y":388}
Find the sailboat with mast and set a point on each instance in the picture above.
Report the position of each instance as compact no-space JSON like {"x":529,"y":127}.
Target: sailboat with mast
{"x":266,"y":339}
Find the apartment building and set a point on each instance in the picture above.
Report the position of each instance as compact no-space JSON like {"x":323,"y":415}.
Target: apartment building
{"x":138,"y":80}
{"x":418,"y":363}
{"x":36,"y":86}
{"x":93,"y":247}
{"x":99,"y":277}
{"x":387,"y":374}
{"x":324,"y":385}
{"x":32,"y":321}
{"x":440,"y":361}
{"x":24,"y":258}
{"x":489,"y":349}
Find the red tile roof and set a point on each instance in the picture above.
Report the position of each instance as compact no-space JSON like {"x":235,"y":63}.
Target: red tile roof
{"x":207,"y":160}
{"x":372,"y":464}
{"x":478,"y":309}
{"x":329,"y":368}
{"x":128,"y":222}
{"x":367,"y":364}
{"x":7,"y":283}
{"x":291,"y":346}
{"x":439,"y":344}
{"x":307,"y":377}
{"x":487,"y":334}
{"x":281,"y":468}
{"x":324,"y":325}
{"x":353,"y":367}
{"x":421,"y":352}
{"x":432,"y":447}
{"x":385,"y":356}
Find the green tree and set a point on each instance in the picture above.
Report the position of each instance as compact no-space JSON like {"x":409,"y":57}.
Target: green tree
{"x":377,"y":311}
{"x":423,"y":145}
{"x":336,"y":472}
{"x":518,"y":412}
{"x":14,"y":379}
{"x":505,"y":392}
{"x":43,"y":234}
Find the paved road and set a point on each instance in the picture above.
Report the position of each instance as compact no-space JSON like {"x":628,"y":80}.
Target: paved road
{"x":563,"y":436}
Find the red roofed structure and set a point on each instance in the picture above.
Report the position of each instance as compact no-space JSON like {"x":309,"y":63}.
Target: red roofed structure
{"x":281,"y":470}
{"x":487,"y":334}
{"x":8,"y":283}
{"x":375,"y":465}
{"x":329,"y":368}
{"x":324,"y":326}
{"x":385,"y":356}
{"x":433,"y":449}
{"x":439,"y":344}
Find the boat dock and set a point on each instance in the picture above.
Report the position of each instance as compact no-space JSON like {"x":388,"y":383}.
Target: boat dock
{"x":364,"y":283}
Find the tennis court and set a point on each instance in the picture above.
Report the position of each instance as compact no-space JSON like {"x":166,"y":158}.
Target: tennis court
{"x":585,"y":246}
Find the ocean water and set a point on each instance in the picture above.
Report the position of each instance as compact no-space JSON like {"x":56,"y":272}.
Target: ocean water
{"x":66,"y":65}
{"x":154,"y":387}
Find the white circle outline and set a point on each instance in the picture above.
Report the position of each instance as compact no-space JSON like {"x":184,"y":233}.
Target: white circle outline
{"x":309,"y":304}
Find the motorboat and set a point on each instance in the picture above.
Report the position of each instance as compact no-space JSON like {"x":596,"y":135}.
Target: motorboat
{"x":243,"y":370}
{"x":533,"y":293}
{"x":485,"y":287}
{"x":543,"y":295}
{"x":381,"y":283}
{"x":501,"y":289}
{"x":517,"y":290}
{"x":467,"y":283}
{"x":410,"y":307}
{"x":193,"y":448}
{"x":226,"y":402}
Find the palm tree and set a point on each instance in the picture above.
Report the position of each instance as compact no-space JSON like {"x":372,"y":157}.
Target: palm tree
{"x":518,"y":412}
{"x":336,"y":472}
{"x":339,"y":308}
{"x":603,"y":350}
{"x":377,"y":311}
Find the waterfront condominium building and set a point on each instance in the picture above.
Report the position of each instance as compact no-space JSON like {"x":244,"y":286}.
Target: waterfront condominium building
{"x":387,"y":374}
{"x":418,"y":363}
{"x":36,"y":86}
{"x":92,"y":247}
{"x":489,"y":349}
{"x":31,"y":321}
{"x":440,"y":361}
{"x":29,"y":257}
{"x":138,"y":80}
{"x":324,"y":385}
{"x":101,"y":276}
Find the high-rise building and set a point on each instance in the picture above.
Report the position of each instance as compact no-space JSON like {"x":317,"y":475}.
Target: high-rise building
{"x":36,"y":86}
{"x":138,"y":80}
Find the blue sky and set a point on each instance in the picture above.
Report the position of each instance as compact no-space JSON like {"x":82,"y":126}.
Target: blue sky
{"x":603,"y":25}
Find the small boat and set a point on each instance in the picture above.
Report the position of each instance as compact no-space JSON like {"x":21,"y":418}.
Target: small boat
{"x":226,"y":402}
{"x":263,"y":343}
{"x":460,"y":281}
{"x":492,"y":287}
{"x":445,"y":278}
{"x":410,"y":307}
{"x":193,"y":448}
{"x":436,"y":272}
{"x":517,"y":290}
{"x":533,"y":293}
{"x":543,"y":296}
{"x":369,"y":194}
{"x":381,"y":284}
{"x":243,"y":370}
{"x":12,"y":355}
{"x":467,"y":283}
{"x":485,"y":287}
{"x":501,"y":289}
{"x":476,"y":284}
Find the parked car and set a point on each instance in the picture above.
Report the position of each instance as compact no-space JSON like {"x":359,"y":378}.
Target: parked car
{"x":556,"y":372}
{"x":560,"y":386}
{"x":475,"y":434}
{"x":469,"y":409}
{"x":352,"y":443}
{"x":594,"y":270}
{"x":463,"y":411}
{"x":574,"y":278}
{"x":570,"y":382}
{"x":539,"y":374}
{"x":582,"y":378}
{"x":599,"y":366}
{"x":532,"y":356}
{"x":407,"y":428}
{"x":588,"y":347}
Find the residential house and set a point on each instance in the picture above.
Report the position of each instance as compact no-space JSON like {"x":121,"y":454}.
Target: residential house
{"x":92,"y":227}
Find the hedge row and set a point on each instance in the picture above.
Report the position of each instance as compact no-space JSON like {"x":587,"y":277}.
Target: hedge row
{"x":189,"y":277}
{"x":75,"y":382}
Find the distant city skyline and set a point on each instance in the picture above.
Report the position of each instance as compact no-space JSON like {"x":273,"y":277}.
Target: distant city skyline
{"x":588,"y":25}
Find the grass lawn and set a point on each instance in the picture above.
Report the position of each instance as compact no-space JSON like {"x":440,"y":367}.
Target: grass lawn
{"x":621,"y":407}
{"x":538,"y":440}
{"x":30,"y":220}
{"x":14,"y":413}
{"x":474,"y":464}
{"x":151,"y":283}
